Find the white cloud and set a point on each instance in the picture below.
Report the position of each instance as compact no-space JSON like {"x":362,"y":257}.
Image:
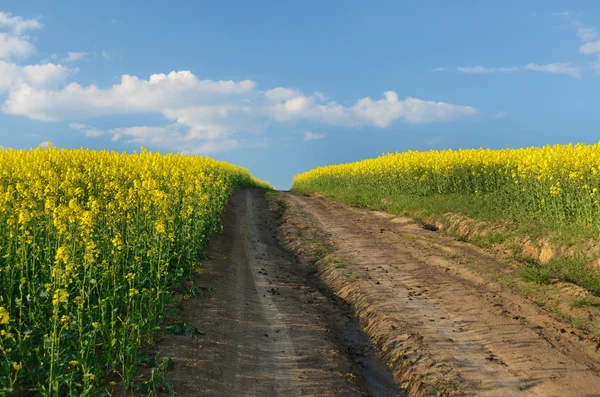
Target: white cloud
{"x":217,"y":121}
{"x":442,"y":69}
{"x":211,"y":128}
{"x":204,"y":115}
{"x":174,"y":138}
{"x":14,"y":46}
{"x":45,"y":76}
{"x":158,"y":136}
{"x":560,"y":68}
{"x":499,"y":115}
{"x":481,"y":69}
{"x":45,"y":145}
{"x":208,"y":114}
{"x":36,"y":76}
{"x":18,"y":24}
{"x":171,"y":137}
{"x":590,"y":48}
{"x":78,"y":56}
{"x":281,"y":94}
{"x":293,"y":105}
{"x":311,"y":136}
{"x":13,"y":43}
{"x":157,"y":94}
{"x":217,"y":108}
{"x":412,"y":110}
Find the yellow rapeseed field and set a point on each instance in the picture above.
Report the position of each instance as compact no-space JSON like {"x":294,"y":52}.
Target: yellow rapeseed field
{"x":90,"y":244}
{"x":558,"y":183}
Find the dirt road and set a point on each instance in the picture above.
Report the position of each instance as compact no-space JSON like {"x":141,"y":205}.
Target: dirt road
{"x":268,"y":328}
{"x":281,"y":324}
{"x":441,"y":325}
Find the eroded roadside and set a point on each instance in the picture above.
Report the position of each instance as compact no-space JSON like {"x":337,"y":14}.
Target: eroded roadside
{"x":269,"y":328}
{"x":441,"y":326}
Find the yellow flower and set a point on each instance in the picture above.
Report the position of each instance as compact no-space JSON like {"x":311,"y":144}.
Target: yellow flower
{"x":84,"y":215}
{"x":62,"y":255}
{"x":160,"y":227}
{"x":4,"y":316}
{"x":60,"y":296}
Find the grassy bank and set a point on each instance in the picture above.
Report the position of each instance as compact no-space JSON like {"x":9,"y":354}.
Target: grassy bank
{"x":539,"y":204}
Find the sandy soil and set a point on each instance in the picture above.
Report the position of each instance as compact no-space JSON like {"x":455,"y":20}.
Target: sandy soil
{"x":270,"y":329}
{"x":442,"y":327}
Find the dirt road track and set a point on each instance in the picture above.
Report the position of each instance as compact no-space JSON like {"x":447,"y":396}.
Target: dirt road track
{"x":441,"y":326}
{"x":269,"y":330}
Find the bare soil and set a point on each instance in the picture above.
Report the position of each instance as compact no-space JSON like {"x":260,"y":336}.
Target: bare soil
{"x":434,"y":309}
{"x":270,"y":328}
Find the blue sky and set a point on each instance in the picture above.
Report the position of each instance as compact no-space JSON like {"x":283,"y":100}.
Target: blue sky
{"x":282,"y":87}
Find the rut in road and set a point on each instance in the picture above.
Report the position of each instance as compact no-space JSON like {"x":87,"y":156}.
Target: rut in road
{"x":268,"y":331}
{"x":441,"y":326}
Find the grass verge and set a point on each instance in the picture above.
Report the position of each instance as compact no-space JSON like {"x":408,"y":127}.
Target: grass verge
{"x":548,"y":251}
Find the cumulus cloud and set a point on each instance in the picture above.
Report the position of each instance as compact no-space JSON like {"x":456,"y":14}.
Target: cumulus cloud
{"x":35,"y":76}
{"x":313,"y":136}
{"x":12,"y":41}
{"x":214,"y":109}
{"x":202,"y":115}
{"x":170,"y":137}
{"x":481,"y":69}
{"x":173,"y":137}
{"x":293,"y":105}
{"x":132,"y":95}
{"x":412,"y":110}
{"x":11,"y":46}
{"x":18,"y":24}
{"x":560,"y":68}
{"x":590,"y":48}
